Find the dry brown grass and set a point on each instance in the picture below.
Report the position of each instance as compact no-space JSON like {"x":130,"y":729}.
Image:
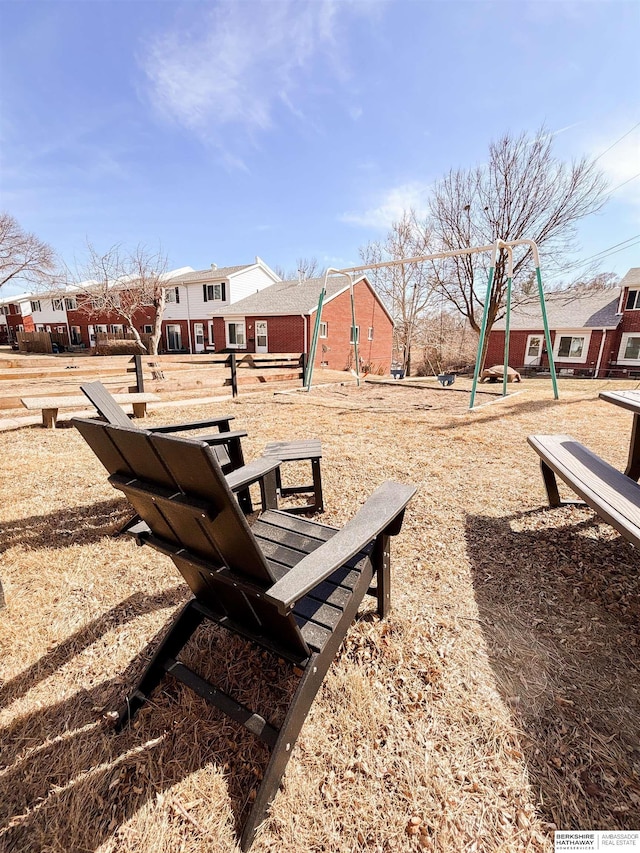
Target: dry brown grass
{"x":499,"y":699}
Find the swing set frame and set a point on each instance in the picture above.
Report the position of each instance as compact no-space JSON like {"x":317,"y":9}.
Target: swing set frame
{"x":505,"y":245}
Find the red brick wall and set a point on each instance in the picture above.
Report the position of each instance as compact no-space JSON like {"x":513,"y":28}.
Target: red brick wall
{"x":338,"y":354}
{"x":284,"y":334}
{"x":518,"y":343}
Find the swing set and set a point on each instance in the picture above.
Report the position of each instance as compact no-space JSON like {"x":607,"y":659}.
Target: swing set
{"x":494,"y":248}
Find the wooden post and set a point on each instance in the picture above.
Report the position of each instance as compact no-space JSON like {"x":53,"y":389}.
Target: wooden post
{"x":137,"y":359}
{"x":234,"y":374}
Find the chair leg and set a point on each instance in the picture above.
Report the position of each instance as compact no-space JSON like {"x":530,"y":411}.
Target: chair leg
{"x":181,"y":631}
{"x":306,"y":691}
{"x":551,"y":484}
{"x":381,"y":559}
{"x":318,"y":500}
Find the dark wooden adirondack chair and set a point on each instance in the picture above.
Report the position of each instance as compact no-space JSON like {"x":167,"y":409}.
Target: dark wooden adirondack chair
{"x":263,"y":471}
{"x":227,"y":447}
{"x":287,"y":584}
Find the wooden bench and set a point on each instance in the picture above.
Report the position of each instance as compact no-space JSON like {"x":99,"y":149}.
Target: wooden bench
{"x":51,"y":405}
{"x":610,"y":493}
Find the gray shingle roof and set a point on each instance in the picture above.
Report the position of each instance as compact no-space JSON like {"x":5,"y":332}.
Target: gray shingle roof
{"x":210,"y":274}
{"x":286,"y":297}
{"x":632,"y":278}
{"x":568,"y":310}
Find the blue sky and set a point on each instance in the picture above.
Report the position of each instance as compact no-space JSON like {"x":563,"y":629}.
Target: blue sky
{"x":289,"y":128}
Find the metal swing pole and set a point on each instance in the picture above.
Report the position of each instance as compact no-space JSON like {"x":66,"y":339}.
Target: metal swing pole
{"x":354,"y":331}
{"x":543,"y":308}
{"x":483,"y":327}
{"x":314,"y":338}
{"x":507,"y":321}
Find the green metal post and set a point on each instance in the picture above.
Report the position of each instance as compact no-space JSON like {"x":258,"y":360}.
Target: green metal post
{"x":354,"y":336}
{"x":314,"y":341}
{"x":506,"y":338}
{"x":483,"y":329}
{"x":547,"y":335}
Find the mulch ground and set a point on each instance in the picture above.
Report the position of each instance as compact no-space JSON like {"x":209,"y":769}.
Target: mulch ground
{"x":497,"y":702}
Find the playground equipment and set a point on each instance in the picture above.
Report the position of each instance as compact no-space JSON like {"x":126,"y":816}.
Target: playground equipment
{"x":316,"y":328}
{"x":494,"y":248}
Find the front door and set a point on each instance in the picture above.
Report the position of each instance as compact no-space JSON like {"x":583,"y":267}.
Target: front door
{"x":198,"y":334}
{"x":262,"y":343}
{"x":533,"y":351}
{"x":174,"y":338}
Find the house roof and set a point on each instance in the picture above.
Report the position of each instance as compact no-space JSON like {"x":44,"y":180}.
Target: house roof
{"x":632,"y":278}
{"x":568,"y":310}
{"x":287,"y":297}
{"x":210,"y":274}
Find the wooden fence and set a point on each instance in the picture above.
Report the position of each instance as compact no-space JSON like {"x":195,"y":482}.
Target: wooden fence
{"x":177,"y":376}
{"x":43,"y":342}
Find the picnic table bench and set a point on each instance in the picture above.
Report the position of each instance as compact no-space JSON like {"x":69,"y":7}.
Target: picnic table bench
{"x":614,"y":496}
{"x":50,"y":405}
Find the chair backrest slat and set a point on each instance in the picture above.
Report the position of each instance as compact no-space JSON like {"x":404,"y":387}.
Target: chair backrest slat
{"x":107,"y":407}
{"x":95,"y":435}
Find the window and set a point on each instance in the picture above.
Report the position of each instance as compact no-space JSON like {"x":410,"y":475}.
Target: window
{"x":572,"y":347}
{"x":370,"y":333}
{"x":116,"y":329}
{"x":214,"y":292}
{"x":60,"y":330}
{"x":39,"y":327}
{"x":173,"y":294}
{"x":210,"y":332}
{"x":4,"y":309}
{"x":101,"y":328}
{"x":324,"y":330}
{"x":76,"y":336}
{"x":147,"y":329}
{"x":58,"y":304}
{"x":35,"y":305}
{"x":357,"y":338}
{"x":633,"y":301}
{"x":236,"y":335}
{"x":629,"y":348}
{"x":70,"y":303}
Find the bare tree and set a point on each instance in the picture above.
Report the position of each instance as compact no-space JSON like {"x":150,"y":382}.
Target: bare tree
{"x":406,"y":289}
{"x":22,"y":255}
{"x":522,"y":192}
{"x":122,"y":284}
{"x":305,"y":268}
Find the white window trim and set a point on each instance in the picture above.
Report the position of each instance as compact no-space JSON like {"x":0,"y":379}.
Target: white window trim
{"x":351,"y":341}
{"x":623,"y":345}
{"x":572,"y":333}
{"x":324,"y":330}
{"x":636,"y":306}
{"x":370,"y":333}
{"x":57,"y":304}
{"x":228,"y":323}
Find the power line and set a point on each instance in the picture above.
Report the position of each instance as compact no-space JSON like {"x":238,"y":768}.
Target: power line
{"x":624,"y":182}
{"x":615,"y":246}
{"x":613,"y":145}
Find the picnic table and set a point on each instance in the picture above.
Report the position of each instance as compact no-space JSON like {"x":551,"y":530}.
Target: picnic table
{"x":629,"y":400}
{"x":50,"y":405}
{"x":615,"y":496}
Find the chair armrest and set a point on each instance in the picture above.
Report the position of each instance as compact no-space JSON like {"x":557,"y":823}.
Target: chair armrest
{"x":375,"y":517}
{"x":251,"y":473}
{"x":221,"y":437}
{"x":222,"y":422}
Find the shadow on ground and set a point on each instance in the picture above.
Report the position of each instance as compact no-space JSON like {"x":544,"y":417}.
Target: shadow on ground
{"x":560,"y":612}
{"x":67,"y":777}
{"x":76,"y":525}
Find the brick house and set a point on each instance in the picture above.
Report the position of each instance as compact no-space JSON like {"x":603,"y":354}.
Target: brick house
{"x":15,"y":316}
{"x":187,"y":320}
{"x":592,"y":333}
{"x":281,"y":318}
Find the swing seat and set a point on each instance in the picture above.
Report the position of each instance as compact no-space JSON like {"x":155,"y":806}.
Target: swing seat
{"x":446,"y":379}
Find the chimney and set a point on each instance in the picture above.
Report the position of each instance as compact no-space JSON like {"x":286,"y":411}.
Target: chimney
{"x":214,"y":266}
{"x":299,"y":276}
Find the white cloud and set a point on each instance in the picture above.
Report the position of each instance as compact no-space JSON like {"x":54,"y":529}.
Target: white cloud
{"x":388,"y":209}
{"x":241,"y":62}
